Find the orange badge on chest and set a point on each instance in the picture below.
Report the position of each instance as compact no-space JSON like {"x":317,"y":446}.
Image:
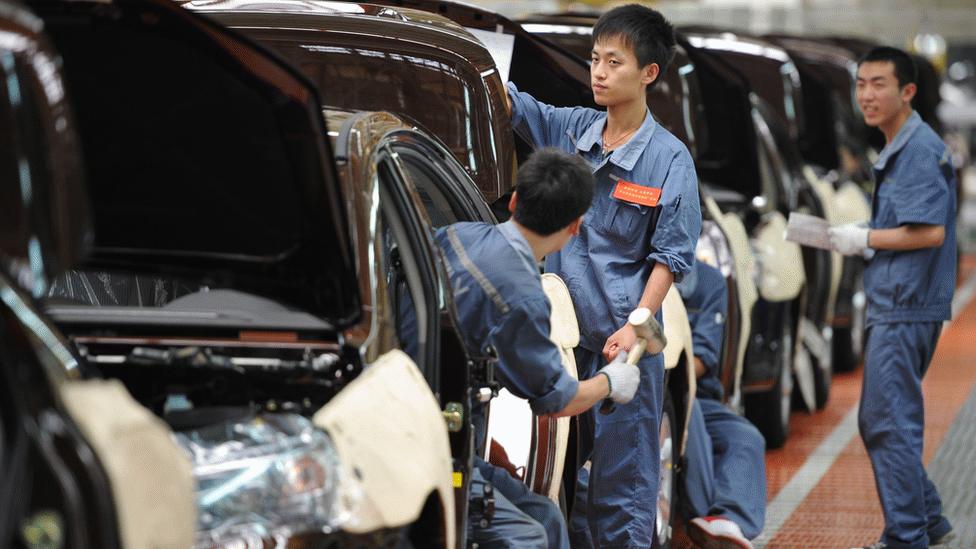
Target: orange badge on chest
{"x":636,"y":194}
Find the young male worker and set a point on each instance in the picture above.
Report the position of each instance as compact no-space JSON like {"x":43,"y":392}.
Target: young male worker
{"x":909,"y":283}
{"x":725,"y":472}
{"x":501,"y":305}
{"x":635,"y":240}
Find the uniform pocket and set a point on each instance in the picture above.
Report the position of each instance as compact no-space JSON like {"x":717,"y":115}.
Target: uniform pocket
{"x":624,"y":220}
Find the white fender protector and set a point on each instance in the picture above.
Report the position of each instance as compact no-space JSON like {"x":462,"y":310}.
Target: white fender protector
{"x":851,"y":204}
{"x":564,"y":332}
{"x":782,"y":276}
{"x":831,"y":206}
{"x":152,"y":479}
{"x":744,"y":264}
{"x":678,"y":332}
{"x":391,"y":438}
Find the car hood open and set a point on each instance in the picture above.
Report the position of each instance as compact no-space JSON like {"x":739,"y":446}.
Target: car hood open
{"x":206,"y":156}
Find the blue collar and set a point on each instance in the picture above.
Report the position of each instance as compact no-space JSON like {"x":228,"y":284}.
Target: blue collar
{"x":898,"y":143}
{"x":519,"y":243}
{"x":627,"y":154}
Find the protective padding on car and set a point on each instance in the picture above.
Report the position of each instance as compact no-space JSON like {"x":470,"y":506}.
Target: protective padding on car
{"x":744,"y":263}
{"x":392,"y":442}
{"x":781,"y":276}
{"x":828,"y":197}
{"x":678,"y":332}
{"x":851,"y":204}
{"x":564,"y":332}
{"x":151,"y":477}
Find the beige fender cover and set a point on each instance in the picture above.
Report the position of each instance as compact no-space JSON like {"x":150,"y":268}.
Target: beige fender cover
{"x":564,"y":332}
{"x":831,"y":213}
{"x":678,"y":332}
{"x":151,"y":477}
{"x":851,"y":204}
{"x":744,"y":265}
{"x":781,"y":277}
{"x":392,"y":441}
{"x":676,"y":329}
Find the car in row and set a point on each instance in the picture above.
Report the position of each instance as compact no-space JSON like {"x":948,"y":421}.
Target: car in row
{"x":224,"y":320}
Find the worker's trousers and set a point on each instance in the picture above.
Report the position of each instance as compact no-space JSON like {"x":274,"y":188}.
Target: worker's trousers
{"x":725,"y":467}
{"x":522,"y":518}
{"x":891,"y":420}
{"x":616,"y":501}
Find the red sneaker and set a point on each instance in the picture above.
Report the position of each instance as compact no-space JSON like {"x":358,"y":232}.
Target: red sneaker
{"x":717,"y":533}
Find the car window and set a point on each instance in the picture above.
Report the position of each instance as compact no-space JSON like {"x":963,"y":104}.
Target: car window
{"x":378,"y":79}
{"x":430,"y":187}
{"x":406,"y":296}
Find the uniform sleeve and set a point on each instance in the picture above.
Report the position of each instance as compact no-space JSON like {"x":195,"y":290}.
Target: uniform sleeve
{"x":707,"y":309}
{"x":679,"y":224}
{"x":529,"y":364}
{"x":921,"y":195}
{"x":545,"y":124}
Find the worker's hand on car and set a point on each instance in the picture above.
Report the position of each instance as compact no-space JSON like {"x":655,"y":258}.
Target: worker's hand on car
{"x":621,"y":340}
{"x":624,"y":379}
{"x":850,"y":239}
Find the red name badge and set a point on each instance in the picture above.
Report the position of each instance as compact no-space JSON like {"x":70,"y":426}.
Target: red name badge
{"x":637,"y":194}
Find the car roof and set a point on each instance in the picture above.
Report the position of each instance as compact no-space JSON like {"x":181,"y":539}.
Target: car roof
{"x":367,"y":19}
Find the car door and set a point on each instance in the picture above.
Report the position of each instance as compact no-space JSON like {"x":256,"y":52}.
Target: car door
{"x":531,"y":449}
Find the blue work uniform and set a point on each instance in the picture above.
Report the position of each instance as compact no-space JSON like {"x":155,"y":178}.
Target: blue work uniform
{"x":503,"y":309}
{"x":606,"y":268}
{"x":725,"y":471}
{"x":909,"y":295}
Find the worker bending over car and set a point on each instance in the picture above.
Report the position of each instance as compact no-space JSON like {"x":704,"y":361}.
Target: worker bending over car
{"x":502,"y":308}
{"x":636,"y":239}
{"x":909,"y":282}
{"x":725,"y":471}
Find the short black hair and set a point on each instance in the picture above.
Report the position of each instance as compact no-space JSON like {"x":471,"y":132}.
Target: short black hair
{"x":554,"y":188}
{"x":642,"y":29}
{"x":906,"y":72}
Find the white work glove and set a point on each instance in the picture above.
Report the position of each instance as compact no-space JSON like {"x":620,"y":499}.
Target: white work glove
{"x":850,"y":239}
{"x":623,"y":379}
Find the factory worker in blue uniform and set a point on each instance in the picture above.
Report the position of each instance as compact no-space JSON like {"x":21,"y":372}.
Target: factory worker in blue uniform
{"x":502,"y":307}
{"x":637,"y":238}
{"x":725,"y":471}
{"x":909,"y":282}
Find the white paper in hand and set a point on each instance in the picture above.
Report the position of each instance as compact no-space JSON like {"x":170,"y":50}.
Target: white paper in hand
{"x":808,"y":230}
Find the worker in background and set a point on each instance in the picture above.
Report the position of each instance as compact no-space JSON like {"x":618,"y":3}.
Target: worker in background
{"x":636,"y":239}
{"x":725,"y":471}
{"x":909,"y":282}
{"x":502,"y":309}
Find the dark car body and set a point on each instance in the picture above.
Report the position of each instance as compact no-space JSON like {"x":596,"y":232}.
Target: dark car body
{"x":774,"y":79}
{"x":228,"y":197}
{"x":41,"y":234}
{"x":833,"y":145}
{"x":368,"y":57}
{"x":831,"y":116}
{"x":742,"y":167}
